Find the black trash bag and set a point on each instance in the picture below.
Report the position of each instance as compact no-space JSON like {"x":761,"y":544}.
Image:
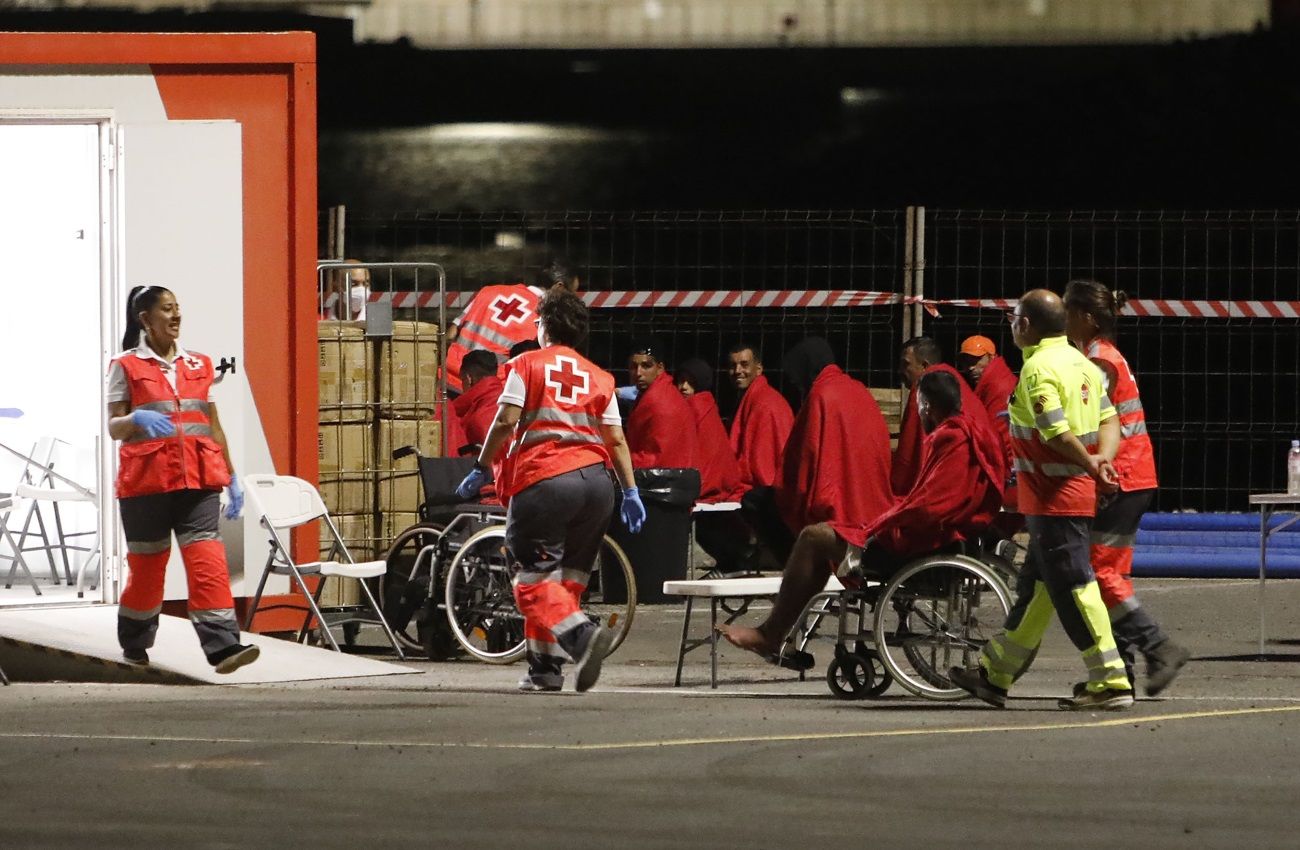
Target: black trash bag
{"x":675,"y":488}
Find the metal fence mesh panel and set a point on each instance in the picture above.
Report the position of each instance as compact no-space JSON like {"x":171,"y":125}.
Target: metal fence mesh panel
{"x":657,"y":251}
{"x":1220,"y":394}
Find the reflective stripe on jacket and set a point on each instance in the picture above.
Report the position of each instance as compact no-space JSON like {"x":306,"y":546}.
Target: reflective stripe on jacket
{"x":190,"y":459}
{"x":1135,"y":462}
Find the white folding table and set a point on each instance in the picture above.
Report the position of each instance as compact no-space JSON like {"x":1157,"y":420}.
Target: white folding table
{"x":1269,"y":504}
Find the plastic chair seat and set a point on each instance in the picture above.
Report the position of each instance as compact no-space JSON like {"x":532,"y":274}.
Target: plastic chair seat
{"x":365,"y":569}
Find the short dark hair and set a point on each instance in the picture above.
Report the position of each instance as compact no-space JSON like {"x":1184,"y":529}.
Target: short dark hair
{"x":523,"y":348}
{"x":555,"y":270}
{"x":479,"y":363}
{"x":655,"y":349}
{"x":745,"y":345}
{"x":943,"y":392}
{"x":925,"y":348}
{"x":565,"y":316}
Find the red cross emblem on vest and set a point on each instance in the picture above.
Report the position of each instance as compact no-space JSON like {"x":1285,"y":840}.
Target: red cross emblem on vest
{"x":508,"y":310}
{"x":569,"y":382}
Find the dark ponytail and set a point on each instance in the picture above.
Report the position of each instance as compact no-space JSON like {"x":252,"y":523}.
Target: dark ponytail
{"x":1093,"y":298}
{"x":141,"y":300}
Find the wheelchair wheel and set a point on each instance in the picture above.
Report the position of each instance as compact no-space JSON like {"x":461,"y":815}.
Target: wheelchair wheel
{"x":403,"y":591}
{"x":481,"y":605}
{"x":851,"y":676}
{"x":935,"y":614}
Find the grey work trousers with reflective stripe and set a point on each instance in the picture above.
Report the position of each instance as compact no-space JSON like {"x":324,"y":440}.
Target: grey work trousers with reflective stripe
{"x":149,"y":522}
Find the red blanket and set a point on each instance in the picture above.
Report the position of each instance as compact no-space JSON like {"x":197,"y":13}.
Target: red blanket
{"x":477,"y":407}
{"x":836,"y":464}
{"x":957,"y":493}
{"x":453,"y":432}
{"x":719,"y":470}
{"x":996,"y":384}
{"x":661,"y":428}
{"x":909,"y":455}
{"x":759,"y":433}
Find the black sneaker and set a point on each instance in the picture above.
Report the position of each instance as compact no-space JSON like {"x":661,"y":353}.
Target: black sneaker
{"x":136,"y":657}
{"x":231,"y":658}
{"x":587,"y":670}
{"x":1163,"y":665}
{"x":529,"y":685}
{"x":1107,"y":699}
{"x":976,"y":682}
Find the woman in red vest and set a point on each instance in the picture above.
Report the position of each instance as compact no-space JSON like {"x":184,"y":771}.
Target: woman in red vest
{"x":559,"y":414}
{"x":1092,"y":311}
{"x":172,"y":466}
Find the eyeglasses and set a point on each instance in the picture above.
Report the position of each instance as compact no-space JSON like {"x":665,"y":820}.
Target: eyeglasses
{"x":1013,"y":317}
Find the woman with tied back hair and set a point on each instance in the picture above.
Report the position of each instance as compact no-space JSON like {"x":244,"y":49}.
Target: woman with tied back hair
{"x":173,"y":463}
{"x":1092,"y":311}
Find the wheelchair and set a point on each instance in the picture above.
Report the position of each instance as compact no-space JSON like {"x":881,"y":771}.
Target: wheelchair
{"x":447,"y":590}
{"x":910,"y":625}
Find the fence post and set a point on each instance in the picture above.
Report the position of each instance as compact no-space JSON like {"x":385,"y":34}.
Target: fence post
{"x":909,"y":260}
{"x":918,"y":272}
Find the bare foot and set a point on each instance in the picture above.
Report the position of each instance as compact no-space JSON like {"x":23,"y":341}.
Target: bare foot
{"x":747,"y":638}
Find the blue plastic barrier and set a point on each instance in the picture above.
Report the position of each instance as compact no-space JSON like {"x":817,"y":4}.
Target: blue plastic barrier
{"x":1209,"y":522}
{"x":1212,"y":546}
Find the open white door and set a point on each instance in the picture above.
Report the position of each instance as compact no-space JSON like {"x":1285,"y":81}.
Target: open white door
{"x":181,"y":226}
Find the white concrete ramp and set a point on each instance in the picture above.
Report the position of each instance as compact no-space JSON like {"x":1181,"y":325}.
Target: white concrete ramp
{"x":80,"y":645}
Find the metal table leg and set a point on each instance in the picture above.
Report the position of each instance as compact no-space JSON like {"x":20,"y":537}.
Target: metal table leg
{"x":1265,"y":513}
{"x":713,"y":643}
{"x":681,"y":648}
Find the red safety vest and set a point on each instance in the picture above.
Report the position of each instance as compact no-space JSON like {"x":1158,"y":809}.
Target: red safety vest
{"x":189,"y":459}
{"x":559,"y":430}
{"x":1135,"y":462}
{"x":497,"y":319}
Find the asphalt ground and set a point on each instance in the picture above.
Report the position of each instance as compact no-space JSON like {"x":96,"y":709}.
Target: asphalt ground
{"x":453,"y":756}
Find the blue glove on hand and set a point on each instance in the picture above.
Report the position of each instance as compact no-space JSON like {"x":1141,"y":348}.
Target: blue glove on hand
{"x":468,"y":489}
{"x":632,"y":511}
{"x":627,"y":393}
{"x":152,"y":423}
{"x":234,"y":498}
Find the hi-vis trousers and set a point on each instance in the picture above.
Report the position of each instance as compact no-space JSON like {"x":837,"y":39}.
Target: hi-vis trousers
{"x":553,"y":533}
{"x":149,"y":522}
{"x":1056,"y":576}
{"x":1113,"y":534}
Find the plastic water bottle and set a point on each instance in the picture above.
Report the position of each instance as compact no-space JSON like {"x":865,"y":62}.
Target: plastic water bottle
{"x":1293,"y":469}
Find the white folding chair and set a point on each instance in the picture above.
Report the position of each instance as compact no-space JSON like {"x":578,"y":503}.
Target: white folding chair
{"x":282,"y":503}
{"x":55,"y":497}
{"x":9,"y":504}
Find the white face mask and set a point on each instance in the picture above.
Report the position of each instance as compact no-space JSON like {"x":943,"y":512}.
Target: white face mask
{"x":357,"y":297}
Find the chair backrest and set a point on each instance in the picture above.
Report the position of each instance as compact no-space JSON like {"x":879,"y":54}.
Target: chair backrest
{"x":439,"y":477}
{"x":283,"y":501}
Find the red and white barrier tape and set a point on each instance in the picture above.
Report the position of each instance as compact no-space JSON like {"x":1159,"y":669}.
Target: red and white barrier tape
{"x":810,"y":298}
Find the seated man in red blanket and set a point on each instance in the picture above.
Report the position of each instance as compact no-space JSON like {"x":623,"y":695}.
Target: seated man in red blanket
{"x":957,"y":493}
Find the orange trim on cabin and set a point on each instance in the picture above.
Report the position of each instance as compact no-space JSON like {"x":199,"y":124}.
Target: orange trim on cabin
{"x":88,"y":48}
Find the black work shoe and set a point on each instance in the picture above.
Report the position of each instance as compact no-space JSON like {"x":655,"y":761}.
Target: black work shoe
{"x":587,"y":670}
{"x":231,"y":658}
{"x":529,"y":685}
{"x":1107,"y":699}
{"x":136,"y":657}
{"x":1163,"y":665}
{"x":975,"y":681}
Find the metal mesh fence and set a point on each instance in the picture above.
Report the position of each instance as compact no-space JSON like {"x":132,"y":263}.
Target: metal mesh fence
{"x":657,"y":251}
{"x":1220,"y":394}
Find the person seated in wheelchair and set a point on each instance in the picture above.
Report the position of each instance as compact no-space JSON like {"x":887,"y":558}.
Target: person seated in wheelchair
{"x":956,"y":495}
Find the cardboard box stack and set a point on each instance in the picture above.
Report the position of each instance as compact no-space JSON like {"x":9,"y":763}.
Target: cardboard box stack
{"x":375,"y":395}
{"x":891,"y":401}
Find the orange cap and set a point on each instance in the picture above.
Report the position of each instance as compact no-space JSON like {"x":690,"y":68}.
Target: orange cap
{"x":978,"y":346}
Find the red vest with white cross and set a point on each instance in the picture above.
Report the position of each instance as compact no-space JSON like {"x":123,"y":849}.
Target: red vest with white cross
{"x":498,"y":318}
{"x":1135,"y":462}
{"x":190,"y":459}
{"x":565,"y":396}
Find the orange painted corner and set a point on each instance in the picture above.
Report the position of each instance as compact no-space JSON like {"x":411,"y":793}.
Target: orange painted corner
{"x":77,"y":48}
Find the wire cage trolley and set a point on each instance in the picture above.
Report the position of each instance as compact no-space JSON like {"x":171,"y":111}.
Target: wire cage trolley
{"x":912,"y":624}
{"x":448,"y":591}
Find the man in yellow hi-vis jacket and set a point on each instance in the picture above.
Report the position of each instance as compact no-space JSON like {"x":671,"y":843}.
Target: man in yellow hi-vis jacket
{"x":1064,"y":431}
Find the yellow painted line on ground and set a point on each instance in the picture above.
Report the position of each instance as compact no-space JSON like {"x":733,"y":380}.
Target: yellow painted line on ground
{"x":1126,"y":720}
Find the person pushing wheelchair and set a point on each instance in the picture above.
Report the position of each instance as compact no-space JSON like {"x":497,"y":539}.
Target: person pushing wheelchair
{"x":560,"y":417}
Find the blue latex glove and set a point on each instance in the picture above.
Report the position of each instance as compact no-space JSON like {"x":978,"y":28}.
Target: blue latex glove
{"x":468,"y":489}
{"x":10,"y":413}
{"x":153,"y":424}
{"x":627,"y":393}
{"x":632,"y":511}
{"x":234,"y":498}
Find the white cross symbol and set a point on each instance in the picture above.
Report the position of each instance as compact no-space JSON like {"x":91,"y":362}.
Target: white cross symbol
{"x":569,"y":382}
{"x":508,"y":310}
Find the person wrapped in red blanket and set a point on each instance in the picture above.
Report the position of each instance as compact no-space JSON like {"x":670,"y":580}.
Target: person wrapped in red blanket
{"x":994,"y":382}
{"x":956,"y":495}
{"x":661,"y":427}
